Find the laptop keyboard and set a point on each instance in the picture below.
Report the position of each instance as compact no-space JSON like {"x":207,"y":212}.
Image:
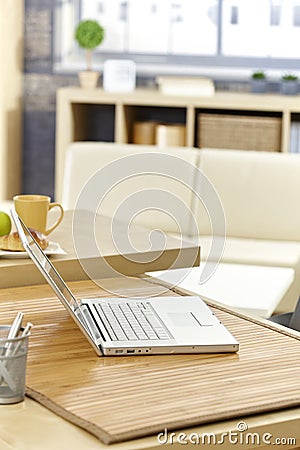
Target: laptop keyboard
{"x":131,"y":321}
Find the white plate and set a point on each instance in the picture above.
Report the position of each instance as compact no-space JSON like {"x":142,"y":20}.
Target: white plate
{"x":53,"y":249}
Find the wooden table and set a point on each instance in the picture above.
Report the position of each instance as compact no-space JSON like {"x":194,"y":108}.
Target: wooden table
{"x":30,"y":425}
{"x":147,"y":252}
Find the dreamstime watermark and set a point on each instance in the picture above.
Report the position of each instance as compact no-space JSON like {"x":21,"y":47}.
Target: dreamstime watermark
{"x":239,"y":436}
{"x":151,"y":184}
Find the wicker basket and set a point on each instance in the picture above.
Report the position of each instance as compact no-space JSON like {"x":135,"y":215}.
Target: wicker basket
{"x":239,"y":132}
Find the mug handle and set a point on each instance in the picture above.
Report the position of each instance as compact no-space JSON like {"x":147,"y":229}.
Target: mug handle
{"x":53,"y":205}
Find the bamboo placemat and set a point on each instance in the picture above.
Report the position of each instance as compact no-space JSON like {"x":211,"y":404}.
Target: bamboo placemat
{"x":121,"y":398}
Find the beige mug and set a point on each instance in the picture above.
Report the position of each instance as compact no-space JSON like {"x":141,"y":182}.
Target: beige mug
{"x":33,"y":210}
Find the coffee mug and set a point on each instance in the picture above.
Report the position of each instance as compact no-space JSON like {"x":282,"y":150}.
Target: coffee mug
{"x":33,"y":210}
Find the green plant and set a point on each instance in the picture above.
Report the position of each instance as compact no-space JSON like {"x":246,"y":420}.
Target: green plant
{"x":89,"y":34}
{"x":289,"y":77}
{"x":259,"y":75}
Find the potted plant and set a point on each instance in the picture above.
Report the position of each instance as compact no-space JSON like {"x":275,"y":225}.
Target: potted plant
{"x":289,"y":84}
{"x":89,"y":34}
{"x":258,"y":81}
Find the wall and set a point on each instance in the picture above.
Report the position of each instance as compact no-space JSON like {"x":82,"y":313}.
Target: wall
{"x":40,"y":86}
{"x":11,"y":92}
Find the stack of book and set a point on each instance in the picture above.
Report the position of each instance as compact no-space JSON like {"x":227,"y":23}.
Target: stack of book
{"x":186,"y":86}
{"x":295,"y":137}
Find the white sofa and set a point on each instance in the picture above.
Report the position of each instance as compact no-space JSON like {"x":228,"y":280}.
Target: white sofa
{"x":259,"y":192}
{"x":150,"y":177}
{"x":260,"y":196}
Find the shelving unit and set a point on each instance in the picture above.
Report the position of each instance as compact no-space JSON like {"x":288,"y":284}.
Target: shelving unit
{"x":96,"y":115}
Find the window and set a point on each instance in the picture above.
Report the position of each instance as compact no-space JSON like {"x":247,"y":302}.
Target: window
{"x":230,"y":37}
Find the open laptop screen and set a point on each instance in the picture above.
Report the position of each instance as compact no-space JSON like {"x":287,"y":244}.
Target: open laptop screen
{"x":44,"y":264}
{"x":53,"y":278}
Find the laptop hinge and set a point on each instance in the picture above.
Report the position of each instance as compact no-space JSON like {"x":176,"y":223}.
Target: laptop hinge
{"x":86,"y":320}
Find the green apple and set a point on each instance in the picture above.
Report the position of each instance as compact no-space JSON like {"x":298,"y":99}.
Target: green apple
{"x":5,"y":223}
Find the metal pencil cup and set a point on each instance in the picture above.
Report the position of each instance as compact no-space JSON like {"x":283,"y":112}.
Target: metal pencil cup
{"x":13,"y":361}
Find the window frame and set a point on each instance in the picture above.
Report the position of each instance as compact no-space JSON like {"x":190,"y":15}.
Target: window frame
{"x":69,"y":58}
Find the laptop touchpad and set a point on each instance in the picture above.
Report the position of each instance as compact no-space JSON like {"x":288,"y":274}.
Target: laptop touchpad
{"x":183,"y":319}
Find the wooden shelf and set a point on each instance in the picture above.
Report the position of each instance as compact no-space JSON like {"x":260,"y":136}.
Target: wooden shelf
{"x":97,"y":115}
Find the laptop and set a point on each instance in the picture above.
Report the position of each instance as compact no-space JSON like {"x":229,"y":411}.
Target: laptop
{"x":135,"y":326}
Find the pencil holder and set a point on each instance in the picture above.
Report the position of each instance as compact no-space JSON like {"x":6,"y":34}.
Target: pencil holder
{"x":13,"y":361}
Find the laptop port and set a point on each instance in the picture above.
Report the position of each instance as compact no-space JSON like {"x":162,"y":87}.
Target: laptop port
{"x":119,"y":351}
{"x":130,"y":351}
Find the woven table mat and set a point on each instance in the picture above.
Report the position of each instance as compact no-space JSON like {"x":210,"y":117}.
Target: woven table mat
{"x":121,"y":398}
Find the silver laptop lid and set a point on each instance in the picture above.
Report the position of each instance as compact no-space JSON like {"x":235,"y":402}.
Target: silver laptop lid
{"x":45,"y":266}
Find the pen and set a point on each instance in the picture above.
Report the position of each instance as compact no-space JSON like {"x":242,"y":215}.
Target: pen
{"x":27,"y":329}
{"x":14,"y":330}
{"x":24,"y":333}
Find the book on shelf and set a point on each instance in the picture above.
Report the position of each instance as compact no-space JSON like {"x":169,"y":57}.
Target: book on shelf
{"x":186,"y":86}
{"x":295,"y":137}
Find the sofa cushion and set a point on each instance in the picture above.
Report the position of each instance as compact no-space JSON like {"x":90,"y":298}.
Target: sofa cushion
{"x":232,"y":285}
{"x":157,"y":199}
{"x":262,"y":253}
{"x":256,"y":251}
{"x":259,"y":192}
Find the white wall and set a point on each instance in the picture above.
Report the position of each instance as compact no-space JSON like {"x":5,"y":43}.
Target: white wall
{"x":11,"y":93}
